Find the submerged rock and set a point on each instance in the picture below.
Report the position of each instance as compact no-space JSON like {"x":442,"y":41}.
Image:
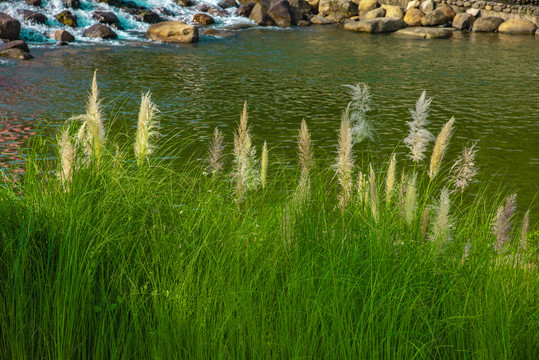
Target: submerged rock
{"x":9,"y":27}
{"x":487,"y":24}
{"x":100,"y":31}
{"x":16,"y":53}
{"x":517,"y":26}
{"x":425,"y":33}
{"x":173,"y":31}
{"x":376,"y":26}
{"x":15,"y":44}
{"x":67,"y":18}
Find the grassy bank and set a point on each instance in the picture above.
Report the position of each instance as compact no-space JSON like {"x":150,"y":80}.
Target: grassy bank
{"x":112,"y":253}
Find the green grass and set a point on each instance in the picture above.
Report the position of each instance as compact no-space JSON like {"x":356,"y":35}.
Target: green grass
{"x":157,"y":262}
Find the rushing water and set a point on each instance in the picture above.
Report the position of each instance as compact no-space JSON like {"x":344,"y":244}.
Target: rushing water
{"x":488,"y":82}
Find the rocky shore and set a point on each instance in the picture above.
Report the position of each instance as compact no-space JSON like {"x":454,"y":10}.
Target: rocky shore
{"x":427,"y":19}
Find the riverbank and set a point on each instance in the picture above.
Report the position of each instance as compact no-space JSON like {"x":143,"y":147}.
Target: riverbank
{"x":61,"y":22}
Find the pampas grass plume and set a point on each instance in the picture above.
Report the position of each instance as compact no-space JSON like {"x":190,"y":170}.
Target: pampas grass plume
{"x":345,"y":160}
{"x":440,"y":147}
{"x":215,"y":158}
{"x":359,"y":106}
{"x":67,"y":159}
{"x":264,"y":165}
{"x":418,"y":139}
{"x":305,"y":157}
{"x":501,"y":226}
{"x":441,"y":225}
{"x":91,"y":134}
{"x":523,"y":245}
{"x":464,"y":170}
{"x":390,"y":179}
{"x":373,"y":195}
{"x":410,"y":199}
{"x":146,"y":129}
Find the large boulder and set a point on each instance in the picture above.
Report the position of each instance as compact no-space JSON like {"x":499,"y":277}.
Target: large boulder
{"x":100,"y":31}
{"x":107,"y":17}
{"x":487,"y":24}
{"x":365,"y":5}
{"x":34,"y":16}
{"x":463,"y":21}
{"x":321,"y":20}
{"x":375,"y":26}
{"x":425,"y":33}
{"x":413,"y":17}
{"x":15,"y":44}
{"x":298,"y":10}
{"x":173,"y":31}
{"x":343,"y":8}
{"x":393,"y":11}
{"x":9,"y":27}
{"x":443,"y":14}
{"x":259,"y":13}
{"x":427,"y":6}
{"x":203,"y":19}
{"x":373,"y":14}
{"x":67,"y":18}
{"x":517,"y":26}
{"x":280,"y":13}
{"x":62,"y":36}
{"x":16,"y":53}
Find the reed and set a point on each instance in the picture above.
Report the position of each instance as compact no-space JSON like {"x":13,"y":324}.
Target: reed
{"x":215,"y":157}
{"x":503,"y":222}
{"x":264,"y":165}
{"x":464,"y":169}
{"x":305,"y":158}
{"x":390,"y":177}
{"x":67,"y":158}
{"x":410,"y":199}
{"x":361,"y":127}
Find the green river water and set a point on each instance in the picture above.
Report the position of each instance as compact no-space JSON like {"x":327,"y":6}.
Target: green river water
{"x":488,"y":82}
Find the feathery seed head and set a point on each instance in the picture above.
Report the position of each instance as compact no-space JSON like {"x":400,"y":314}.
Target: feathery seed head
{"x":345,"y":160}
{"x":464,"y":169}
{"x":523,"y":245}
{"x":146,"y":128}
{"x":441,"y":225}
{"x":390,"y":179}
{"x":264,"y":165}
{"x":440,"y":146}
{"x":410,"y":200}
{"x":418,"y":139}
{"x":67,"y":158}
{"x":359,"y":106}
{"x":501,"y":226}
{"x":215,"y":158}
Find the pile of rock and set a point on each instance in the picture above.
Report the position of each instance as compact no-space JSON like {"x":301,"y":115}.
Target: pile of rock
{"x":10,"y":45}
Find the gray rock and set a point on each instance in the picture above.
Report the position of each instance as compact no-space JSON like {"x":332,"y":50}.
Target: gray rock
{"x":321,"y":20}
{"x":100,"y":31}
{"x":203,"y":19}
{"x":225,"y":4}
{"x":34,"y":16}
{"x":442,"y":15}
{"x":427,"y":6}
{"x":33,"y":2}
{"x":62,"y":36}
{"x":299,"y":10}
{"x":280,"y":13}
{"x":16,"y":54}
{"x":304,"y":23}
{"x":108,"y":18}
{"x":487,"y":24}
{"x":373,"y":14}
{"x":425,"y":33}
{"x":75,"y":4}
{"x":375,"y":26}
{"x":9,"y":27}
{"x":463,"y":21}
{"x":245,"y":9}
{"x":184,"y":3}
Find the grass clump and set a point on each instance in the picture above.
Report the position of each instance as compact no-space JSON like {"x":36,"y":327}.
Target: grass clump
{"x":170,"y":262}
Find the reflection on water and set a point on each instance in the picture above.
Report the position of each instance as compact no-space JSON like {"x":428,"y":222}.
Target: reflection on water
{"x":488,"y":82}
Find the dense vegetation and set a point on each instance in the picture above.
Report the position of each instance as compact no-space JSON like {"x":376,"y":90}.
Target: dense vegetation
{"x":111,"y":253}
